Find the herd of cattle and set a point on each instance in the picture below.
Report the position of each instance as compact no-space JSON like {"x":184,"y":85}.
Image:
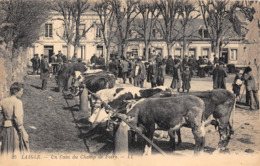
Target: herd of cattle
{"x":159,"y":108}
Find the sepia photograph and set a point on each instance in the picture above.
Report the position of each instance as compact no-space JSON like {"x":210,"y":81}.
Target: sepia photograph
{"x":129,"y":82}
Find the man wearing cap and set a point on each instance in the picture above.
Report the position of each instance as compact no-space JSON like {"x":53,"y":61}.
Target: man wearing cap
{"x":219,"y":77}
{"x":45,"y":72}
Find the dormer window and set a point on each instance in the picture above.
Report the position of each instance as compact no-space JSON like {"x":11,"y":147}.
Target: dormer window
{"x":204,"y":32}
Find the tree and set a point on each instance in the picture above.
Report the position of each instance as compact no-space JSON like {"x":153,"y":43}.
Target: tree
{"x":71,"y":12}
{"x":187,"y":14}
{"x":169,"y":13}
{"x":218,"y":16}
{"x":124,"y":16}
{"x":21,"y":21}
{"x":145,"y":27}
{"x":107,"y":21}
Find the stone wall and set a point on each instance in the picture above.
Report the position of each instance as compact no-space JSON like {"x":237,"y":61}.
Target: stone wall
{"x":12,"y":68}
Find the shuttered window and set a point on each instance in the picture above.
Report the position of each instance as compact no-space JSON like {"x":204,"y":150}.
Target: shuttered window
{"x":48,"y":30}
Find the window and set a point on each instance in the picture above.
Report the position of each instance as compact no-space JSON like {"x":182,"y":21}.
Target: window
{"x":233,"y":54}
{"x":135,"y":52}
{"x":205,"y":34}
{"x":99,"y":50}
{"x":192,"y":52}
{"x":154,"y":33}
{"x":205,"y":52}
{"x":98,"y":31}
{"x":82,"y":30}
{"x":177,"y":52}
{"x":48,"y":30}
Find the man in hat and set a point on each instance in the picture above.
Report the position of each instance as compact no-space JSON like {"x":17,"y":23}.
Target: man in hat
{"x":176,"y":77}
{"x":251,"y":88}
{"x":219,"y":77}
{"x":124,"y":67}
{"x":35,"y":63}
{"x":113,"y":67}
{"x":94,"y":59}
{"x":186,"y":78}
{"x":45,"y":72}
{"x":169,"y":65}
{"x":152,"y":73}
{"x":140,"y":73}
{"x":161,"y":73}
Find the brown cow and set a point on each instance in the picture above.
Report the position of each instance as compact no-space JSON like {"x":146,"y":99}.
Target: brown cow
{"x":169,"y":114}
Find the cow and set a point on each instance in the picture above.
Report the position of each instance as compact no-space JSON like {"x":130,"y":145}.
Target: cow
{"x":169,"y":114}
{"x":117,"y":99}
{"x":219,"y":104}
{"x":93,"y":81}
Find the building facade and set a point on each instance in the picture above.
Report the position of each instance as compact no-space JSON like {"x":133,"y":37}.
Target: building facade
{"x":52,"y":38}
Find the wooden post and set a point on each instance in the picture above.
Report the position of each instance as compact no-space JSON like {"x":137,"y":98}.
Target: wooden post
{"x":84,"y":100}
{"x":121,"y":139}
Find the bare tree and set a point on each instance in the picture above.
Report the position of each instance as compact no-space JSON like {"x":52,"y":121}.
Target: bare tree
{"x":104,"y":10}
{"x":124,"y":16}
{"x":21,"y":21}
{"x":145,"y":26}
{"x":169,"y":13}
{"x":187,"y":15}
{"x":71,"y":12}
{"x":217,"y":16}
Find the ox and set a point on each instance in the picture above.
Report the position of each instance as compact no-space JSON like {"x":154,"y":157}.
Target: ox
{"x":219,"y":104}
{"x":117,"y":99}
{"x":93,"y":81}
{"x":169,"y":114}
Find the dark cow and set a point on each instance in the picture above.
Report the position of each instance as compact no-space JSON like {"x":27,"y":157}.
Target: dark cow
{"x":169,"y":114}
{"x":117,"y":98}
{"x":94,"y":81}
{"x":219,"y":104}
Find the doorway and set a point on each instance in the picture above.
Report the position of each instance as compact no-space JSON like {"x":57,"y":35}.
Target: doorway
{"x":48,"y":50}
{"x":224,"y":56}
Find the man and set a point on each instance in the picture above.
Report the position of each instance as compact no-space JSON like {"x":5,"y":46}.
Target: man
{"x":161,"y":73}
{"x":113,"y":67}
{"x":131,"y":71}
{"x":169,"y":65}
{"x":124,"y":66}
{"x":219,"y":77}
{"x":101,"y":62}
{"x":140,"y":73}
{"x":176,"y":79}
{"x":216,"y":60}
{"x":93,"y":59}
{"x":35,"y":63}
{"x":54,"y":60}
{"x":45,"y":72}
{"x":251,"y":88}
{"x":152,"y":73}
{"x":185,"y":61}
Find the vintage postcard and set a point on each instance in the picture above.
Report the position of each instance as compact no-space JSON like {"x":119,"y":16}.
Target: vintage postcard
{"x":127,"y":82}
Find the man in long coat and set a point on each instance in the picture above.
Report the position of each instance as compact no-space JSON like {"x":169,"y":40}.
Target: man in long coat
{"x":219,"y":77}
{"x":45,"y":72}
{"x":35,"y":63}
{"x":176,"y":79}
{"x":152,"y":73}
{"x":251,"y":88}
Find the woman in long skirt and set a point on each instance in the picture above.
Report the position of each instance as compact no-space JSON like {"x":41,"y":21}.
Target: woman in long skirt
{"x":14,"y":137}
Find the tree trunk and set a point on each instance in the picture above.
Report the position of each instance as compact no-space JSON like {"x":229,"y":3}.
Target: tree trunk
{"x":184,"y":48}
{"x":217,"y":48}
{"x":107,"y":56}
{"x":69,"y":52}
{"x":168,"y":48}
{"x":146,"y":51}
{"x":76,"y":49}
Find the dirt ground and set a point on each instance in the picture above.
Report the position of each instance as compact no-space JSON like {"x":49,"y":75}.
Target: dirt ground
{"x":54,"y":125}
